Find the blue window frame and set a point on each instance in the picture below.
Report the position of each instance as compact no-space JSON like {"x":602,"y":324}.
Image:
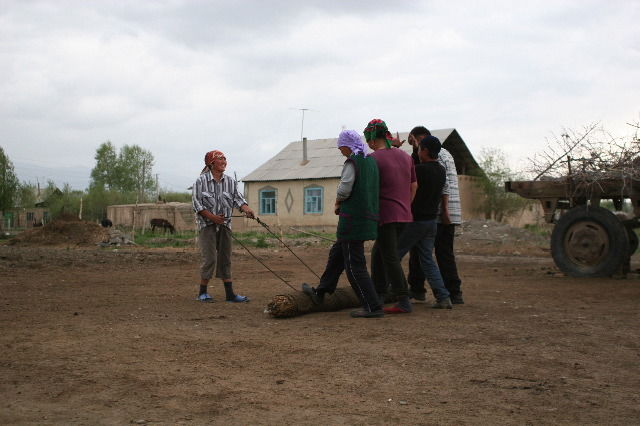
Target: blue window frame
{"x":313,"y":200}
{"x":268,"y":201}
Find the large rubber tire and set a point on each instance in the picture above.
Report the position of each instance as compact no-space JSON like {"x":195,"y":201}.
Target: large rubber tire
{"x":589,"y":242}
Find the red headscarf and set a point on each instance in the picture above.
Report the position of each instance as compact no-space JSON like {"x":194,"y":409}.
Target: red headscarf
{"x":212,"y":155}
{"x":209,"y":157}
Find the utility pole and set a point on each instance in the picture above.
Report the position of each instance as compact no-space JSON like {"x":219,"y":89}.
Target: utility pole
{"x":141,"y":182}
{"x":157,"y":189}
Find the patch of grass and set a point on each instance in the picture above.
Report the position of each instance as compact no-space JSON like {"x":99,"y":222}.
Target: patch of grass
{"x":253,"y":239}
{"x":543,"y":230}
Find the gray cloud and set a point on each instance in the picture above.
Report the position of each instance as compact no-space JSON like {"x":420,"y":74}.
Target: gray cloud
{"x":182,"y":77}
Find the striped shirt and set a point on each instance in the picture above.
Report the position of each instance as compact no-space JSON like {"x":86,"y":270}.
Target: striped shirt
{"x":451,"y":187}
{"x":216,"y":197}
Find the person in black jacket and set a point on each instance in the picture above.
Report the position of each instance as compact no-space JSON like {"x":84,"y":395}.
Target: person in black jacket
{"x":421,"y":233}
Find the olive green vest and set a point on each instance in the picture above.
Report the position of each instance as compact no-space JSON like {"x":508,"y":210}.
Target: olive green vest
{"x":359,"y":217}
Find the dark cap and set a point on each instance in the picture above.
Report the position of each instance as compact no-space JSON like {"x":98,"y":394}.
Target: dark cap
{"x":432,"y":144}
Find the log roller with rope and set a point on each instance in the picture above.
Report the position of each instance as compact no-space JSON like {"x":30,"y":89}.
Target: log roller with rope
{"x":298,"y":303}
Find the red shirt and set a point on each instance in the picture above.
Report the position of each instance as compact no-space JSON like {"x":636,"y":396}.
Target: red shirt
{"x":396,"y":175}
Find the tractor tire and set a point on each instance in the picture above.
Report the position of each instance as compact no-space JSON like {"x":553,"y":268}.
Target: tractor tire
{"x":589,"y":241}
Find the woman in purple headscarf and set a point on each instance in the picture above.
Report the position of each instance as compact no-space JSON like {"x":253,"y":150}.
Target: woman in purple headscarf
{"x":352,"y":140}
{"x":357,"y":205}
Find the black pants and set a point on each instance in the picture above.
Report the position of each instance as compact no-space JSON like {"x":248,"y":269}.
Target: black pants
{"x":446,"y":263}
{"x":385,"y":262}
{"x":348,"y":256}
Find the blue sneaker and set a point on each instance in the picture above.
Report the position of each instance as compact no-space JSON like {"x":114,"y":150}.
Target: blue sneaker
{"x":204,"y":297}
{"x":238,"y":299}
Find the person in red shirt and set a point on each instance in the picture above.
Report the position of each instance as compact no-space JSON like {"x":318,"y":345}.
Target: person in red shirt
{"x":397,"y":188}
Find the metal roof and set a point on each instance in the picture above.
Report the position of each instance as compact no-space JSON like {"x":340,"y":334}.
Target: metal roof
{"x":326,"y":161}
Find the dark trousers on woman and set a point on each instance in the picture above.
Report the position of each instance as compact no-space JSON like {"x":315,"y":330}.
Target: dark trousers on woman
{"x":348,"y":256}
{"x":385,"y":263}
{"x":446,"y":263}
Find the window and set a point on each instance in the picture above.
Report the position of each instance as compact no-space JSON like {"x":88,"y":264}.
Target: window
{"x":45,"y":217}
{"x":313,"y":200}
{"x":30,"y":217}
{"x":268,"y":201}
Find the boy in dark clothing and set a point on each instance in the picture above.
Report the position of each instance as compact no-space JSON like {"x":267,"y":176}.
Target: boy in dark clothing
{"x":421,"y":233}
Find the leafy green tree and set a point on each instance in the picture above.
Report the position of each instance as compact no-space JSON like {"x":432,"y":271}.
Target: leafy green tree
{"x":128,"y":171}
{"x":135,"y":171}
{"x":62,"y":202}
{"x":9,"y":183}
{"x":104,"y":174}
{"x":27,"y":195}
{"x":180,"y":197}
{"x":498,"y":202}
{"x":97,"y":200}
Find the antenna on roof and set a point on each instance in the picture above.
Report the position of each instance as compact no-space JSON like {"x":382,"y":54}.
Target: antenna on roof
{"x":302,"y":125}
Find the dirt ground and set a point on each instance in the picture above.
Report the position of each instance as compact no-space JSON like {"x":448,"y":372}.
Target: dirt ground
{"x":114,"y":336}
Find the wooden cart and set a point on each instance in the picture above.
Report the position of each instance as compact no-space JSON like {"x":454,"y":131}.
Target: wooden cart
{"x":587,"y":240}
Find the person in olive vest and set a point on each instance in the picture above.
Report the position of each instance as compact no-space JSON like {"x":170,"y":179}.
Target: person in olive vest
{"x":357,"y":206}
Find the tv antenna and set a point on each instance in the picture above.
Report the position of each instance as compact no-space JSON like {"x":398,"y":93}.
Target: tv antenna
{"x":302,"y":124}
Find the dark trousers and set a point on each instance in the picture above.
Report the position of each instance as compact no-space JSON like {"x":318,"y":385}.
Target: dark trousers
{"x":348,"y":256}
{"x":446,"y":263}
{"x":385,"y":263}
{"x":422,"y":235}
{"x":415,"y":278}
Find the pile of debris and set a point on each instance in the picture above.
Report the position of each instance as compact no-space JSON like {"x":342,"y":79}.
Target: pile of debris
{"x":63,"y":231}
{"x":116,"y":237}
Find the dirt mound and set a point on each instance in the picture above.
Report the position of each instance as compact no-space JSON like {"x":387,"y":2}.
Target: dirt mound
{"x":66,"y":231}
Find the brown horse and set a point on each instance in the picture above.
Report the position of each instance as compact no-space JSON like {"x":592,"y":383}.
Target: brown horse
{"x":162,"y":223}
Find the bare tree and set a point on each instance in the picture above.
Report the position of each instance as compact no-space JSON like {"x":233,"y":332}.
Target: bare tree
{"x":588,"y":157}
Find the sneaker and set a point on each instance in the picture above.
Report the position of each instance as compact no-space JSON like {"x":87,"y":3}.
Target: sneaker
{"x":396,"y":310}
{"x":361,"y":313}
{"x":443,"y":304}
{"x":316,"y":298}
{"x":457,"y":299}
{"x":204,"y":297}
{"x":238,"y":299}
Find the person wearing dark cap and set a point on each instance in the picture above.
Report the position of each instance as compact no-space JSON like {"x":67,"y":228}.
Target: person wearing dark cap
{"x":415,"y":277}
{"x":214,"y":196}
{"x":449,"y":216}
{"x":421,"y":233}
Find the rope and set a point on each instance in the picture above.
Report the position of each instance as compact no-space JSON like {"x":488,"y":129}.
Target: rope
{"x":265,"y":226}
{"x":312,"y":234}
{"x":263,"y":264}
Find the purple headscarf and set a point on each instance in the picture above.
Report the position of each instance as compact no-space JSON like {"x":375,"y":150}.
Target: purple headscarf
{"x":352,"y":140}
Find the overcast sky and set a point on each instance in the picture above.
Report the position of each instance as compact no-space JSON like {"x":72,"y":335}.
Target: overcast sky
{"x":180,"y":78}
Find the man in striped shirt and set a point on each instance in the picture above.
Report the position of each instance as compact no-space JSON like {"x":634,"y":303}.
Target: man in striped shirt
{"x":214,"y":196}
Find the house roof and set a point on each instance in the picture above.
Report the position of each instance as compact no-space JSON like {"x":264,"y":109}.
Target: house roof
{"x":325,"y":161}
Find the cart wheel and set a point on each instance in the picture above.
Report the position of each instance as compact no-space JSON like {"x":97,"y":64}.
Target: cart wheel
{"x":589,"y":241}
{"x":633,"y":241}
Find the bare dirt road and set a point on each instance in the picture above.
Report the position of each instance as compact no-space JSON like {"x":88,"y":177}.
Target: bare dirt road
{"x":103,"y":336}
